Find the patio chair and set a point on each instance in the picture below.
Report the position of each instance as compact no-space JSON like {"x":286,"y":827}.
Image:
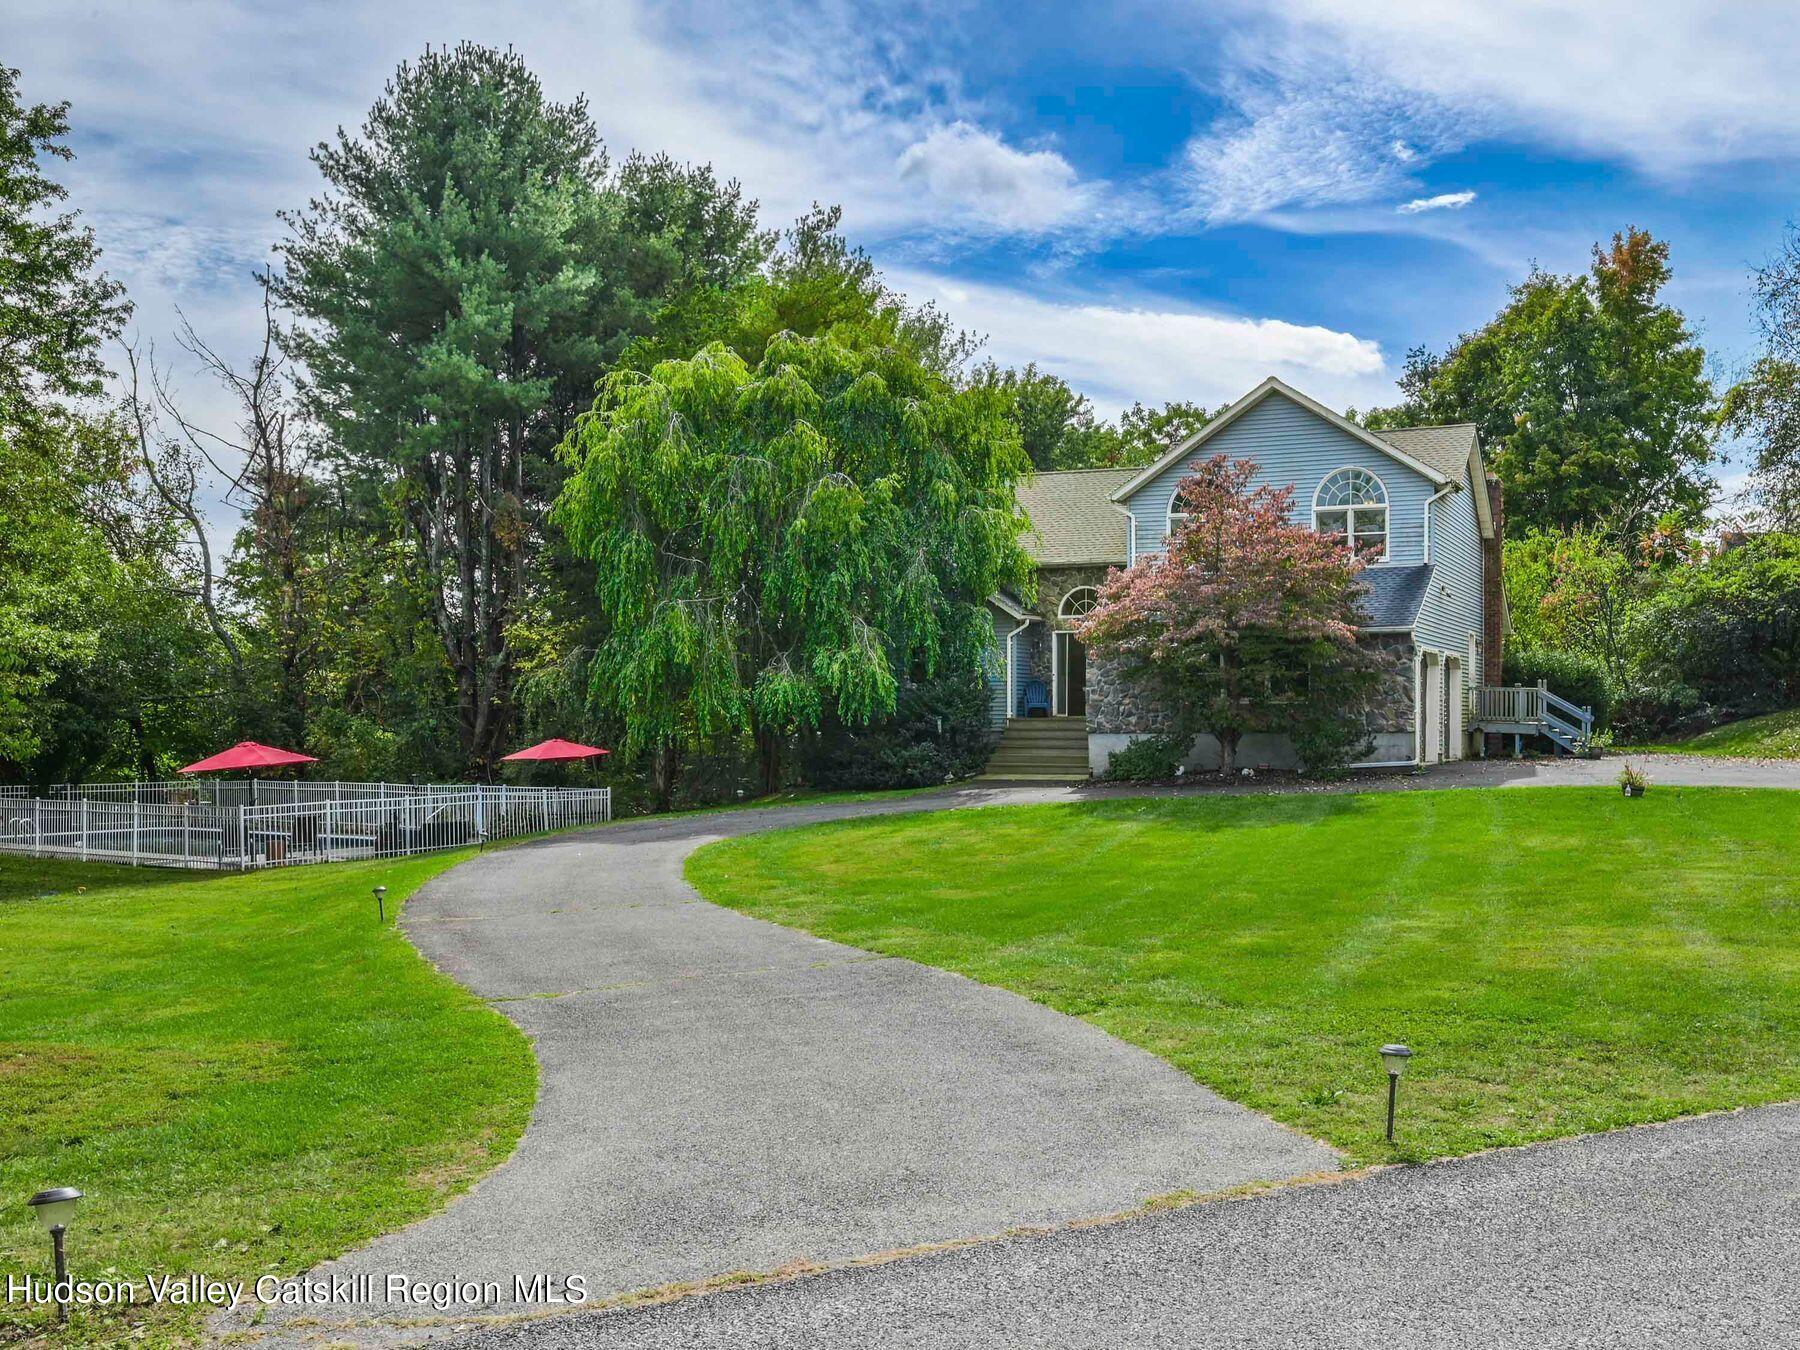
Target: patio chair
{"x":1035,"y":700}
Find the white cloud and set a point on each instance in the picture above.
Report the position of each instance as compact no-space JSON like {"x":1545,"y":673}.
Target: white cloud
{"x":1443,"y":201}
{"x":986,"y":182}
{"x":1666,"y":84}
{"x":192,"y":123}
{"x":1326,"y":147}
{"x":1336,"y":101}
{"x":1118,"y":351}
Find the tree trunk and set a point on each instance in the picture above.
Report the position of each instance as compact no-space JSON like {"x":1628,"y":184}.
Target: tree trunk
{"x":769,"y":749}
{"x":665,"y":763}
{"x":1228,"y":735}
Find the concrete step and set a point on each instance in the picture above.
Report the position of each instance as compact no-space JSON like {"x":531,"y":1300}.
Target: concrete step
{"x":1027,"y":732}
{"x":1041,"y":749}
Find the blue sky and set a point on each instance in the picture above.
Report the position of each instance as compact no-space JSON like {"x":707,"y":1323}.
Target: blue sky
{"x":1157,"y":202}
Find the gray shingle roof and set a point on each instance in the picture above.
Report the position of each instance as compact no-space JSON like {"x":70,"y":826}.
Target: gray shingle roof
{"x":1073,"y":517}
{"x":1445,"y":448}
{"x":1395,"y":594}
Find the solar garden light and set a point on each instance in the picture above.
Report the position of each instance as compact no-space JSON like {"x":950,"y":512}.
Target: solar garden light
{"x":54,"y":1209}
{"x":381,"y":903}
{"x":1395,"y":1057}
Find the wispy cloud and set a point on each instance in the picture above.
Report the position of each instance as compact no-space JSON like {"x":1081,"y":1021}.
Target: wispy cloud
{"x":1330,"y":141}
{"x":1667,"y":85}
{"x":1444,"y":201}
{"x":1336,"y":102}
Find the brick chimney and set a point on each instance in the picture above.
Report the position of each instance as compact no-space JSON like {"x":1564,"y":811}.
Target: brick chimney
{"x":1493,"y":589}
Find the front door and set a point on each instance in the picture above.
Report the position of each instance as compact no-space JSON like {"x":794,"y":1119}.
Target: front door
{"x":1069,"y":698}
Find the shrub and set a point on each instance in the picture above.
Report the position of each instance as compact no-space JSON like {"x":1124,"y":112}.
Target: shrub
{"x":1326,"y":745}
{"x":1729,"y":628}
{"x":1572,"y":675}
{"x":1647,"y":710}
{"x":1147,"y":759}
{"x":939,"y":732}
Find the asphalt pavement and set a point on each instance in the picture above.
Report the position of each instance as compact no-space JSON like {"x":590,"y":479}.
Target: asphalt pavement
{"x":1685,"y":1235}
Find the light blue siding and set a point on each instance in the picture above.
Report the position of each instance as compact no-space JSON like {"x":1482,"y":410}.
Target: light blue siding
{"x":994,"y":668}
{"x":1451,"y":614}
{"x":1292,"y":445}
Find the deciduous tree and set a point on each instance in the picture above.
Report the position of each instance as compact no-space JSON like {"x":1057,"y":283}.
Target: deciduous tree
{"x":771,"y":542}
{"x":468,"y":276}
{"x":1246,"y":623}
{"x":1764,"y":407}
{"x":1591,"y":395}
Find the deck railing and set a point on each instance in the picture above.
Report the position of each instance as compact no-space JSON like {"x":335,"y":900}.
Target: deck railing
{"x":324,"y":828}
{"x":1525,"y":708}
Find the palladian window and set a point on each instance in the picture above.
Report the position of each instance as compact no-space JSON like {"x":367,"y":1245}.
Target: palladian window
{"x":1078,"y":603}
{"x":1352,"y":506}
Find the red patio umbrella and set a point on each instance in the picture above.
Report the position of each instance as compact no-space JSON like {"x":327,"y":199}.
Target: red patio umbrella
{"x":557,"y":749}
{"x":248,"y":755}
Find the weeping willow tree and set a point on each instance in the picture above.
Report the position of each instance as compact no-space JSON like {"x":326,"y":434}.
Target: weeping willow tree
{"x":779,"y":541}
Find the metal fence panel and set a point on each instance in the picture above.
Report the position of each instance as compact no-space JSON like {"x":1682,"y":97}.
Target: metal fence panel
{"x":224,"y":829}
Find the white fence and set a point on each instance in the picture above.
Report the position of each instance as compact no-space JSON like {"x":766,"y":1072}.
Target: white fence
{"x":310,"y":827}
{"x":235,"y":792}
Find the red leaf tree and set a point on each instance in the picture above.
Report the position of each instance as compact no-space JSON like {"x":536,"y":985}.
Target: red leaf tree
{"x":1246,"y":623}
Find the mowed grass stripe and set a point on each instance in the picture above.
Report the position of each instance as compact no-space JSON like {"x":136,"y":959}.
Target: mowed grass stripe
{"x":245,"y":1073}
{"x":1562,"y":959}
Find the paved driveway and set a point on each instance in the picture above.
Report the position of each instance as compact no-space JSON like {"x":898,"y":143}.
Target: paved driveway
{"x":1685,"y":1236}
{"x":722,"y":1094}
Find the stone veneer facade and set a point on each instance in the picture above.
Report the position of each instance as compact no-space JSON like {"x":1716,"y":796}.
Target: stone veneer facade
{"x":1118,"y":713}
{"x":1034,"y":643}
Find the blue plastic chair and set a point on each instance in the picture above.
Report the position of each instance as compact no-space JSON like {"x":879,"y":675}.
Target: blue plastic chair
{"x":1035,"y":700}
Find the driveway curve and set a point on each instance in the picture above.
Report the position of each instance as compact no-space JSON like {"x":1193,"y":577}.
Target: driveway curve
{"x":722,"y":1094}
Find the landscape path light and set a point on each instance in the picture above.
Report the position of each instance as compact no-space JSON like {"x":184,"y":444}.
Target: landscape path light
{"x":1395,"y":1057}
{"x":55,"y":1208}
{"x":381,"y":903}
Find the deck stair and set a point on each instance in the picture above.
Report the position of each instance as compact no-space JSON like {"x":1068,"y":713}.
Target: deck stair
{"x":1041,"y":750}
{"x":1532,"y":710}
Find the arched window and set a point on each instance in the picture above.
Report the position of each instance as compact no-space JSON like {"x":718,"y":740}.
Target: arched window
{"x":1351,"y":505}
{"x":1078,"y":603}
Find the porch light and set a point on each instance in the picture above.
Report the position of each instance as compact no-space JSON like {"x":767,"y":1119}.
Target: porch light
{"x":1394,"y":1057}
{"x":55,"y":1210}
{"x":381,"y":903}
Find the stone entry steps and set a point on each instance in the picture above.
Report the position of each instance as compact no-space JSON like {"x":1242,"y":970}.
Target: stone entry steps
{"x":1041,"y":750}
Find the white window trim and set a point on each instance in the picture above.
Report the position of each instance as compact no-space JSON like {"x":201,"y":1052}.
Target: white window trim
{"x":1062,"y":606}
{"x":1387,"y":510}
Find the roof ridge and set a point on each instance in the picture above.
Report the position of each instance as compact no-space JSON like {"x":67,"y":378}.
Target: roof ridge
{"x":1428,"y":426}
{"x":1092,"y":468}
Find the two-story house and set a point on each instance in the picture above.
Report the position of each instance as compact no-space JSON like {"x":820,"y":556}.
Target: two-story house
{"x":1417,"y":503}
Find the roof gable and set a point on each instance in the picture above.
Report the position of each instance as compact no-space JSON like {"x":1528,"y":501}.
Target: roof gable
{"x":1445,"y":448}
{"x":1073,"y":519}
{"x":1267,"y":389}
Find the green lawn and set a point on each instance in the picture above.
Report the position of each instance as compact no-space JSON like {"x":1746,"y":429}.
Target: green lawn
{"x":1561,"y":959}
{"x":245,"y":1073}
{"x":1774,"y":736}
